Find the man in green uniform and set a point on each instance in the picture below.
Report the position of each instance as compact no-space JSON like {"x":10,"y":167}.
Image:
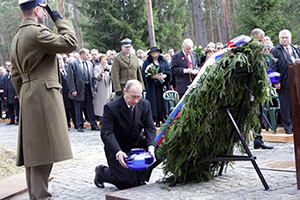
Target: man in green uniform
{"x":125,"y":67}
{"x":43,"y":132}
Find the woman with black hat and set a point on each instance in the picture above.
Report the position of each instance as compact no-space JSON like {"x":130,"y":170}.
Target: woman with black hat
{"x":156,"y":71}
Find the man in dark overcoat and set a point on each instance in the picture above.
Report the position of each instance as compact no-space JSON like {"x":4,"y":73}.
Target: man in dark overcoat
{"x":286,"y":53}
{"x":65,"y":89}
{"x":43,"y":132}
{"x":11,"y":97}
{"x":185,"y":66}
{"x":121,"y":132}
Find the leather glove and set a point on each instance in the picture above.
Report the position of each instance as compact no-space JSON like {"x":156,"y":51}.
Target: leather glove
{"x":54,"y":14}
{"x":119,"y":93}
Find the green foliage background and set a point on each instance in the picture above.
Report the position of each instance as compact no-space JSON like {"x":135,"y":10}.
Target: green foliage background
{"x":270,"y":15}
{"x":199,"y":119}
{"x":104,"y":23}
{"x":110,"y":21}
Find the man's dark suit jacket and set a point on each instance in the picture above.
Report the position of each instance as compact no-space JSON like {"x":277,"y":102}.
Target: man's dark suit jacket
{"x":178,"y":64}
{"x":9,"y":90}
{"x":65,"y":91}
{"x":75,"y":79}
{"x":118,"y":132}
{"x":282,"y":65}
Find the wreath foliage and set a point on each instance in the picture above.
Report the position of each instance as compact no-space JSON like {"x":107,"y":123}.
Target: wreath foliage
{"x":200,"y":120}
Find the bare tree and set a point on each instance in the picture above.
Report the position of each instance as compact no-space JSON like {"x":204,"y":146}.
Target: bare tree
{"x":207,"y":23}
{"x":199,"y":23}
{"x":211,"y":22}
{"x":228,"y":17}
{"x":75,"y":12}
{"x":150,"y":23}
{"x":223,"y":23}
{"x":218,"y":22}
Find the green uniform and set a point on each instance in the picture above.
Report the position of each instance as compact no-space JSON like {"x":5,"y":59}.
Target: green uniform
{"x":124,"y":69}
{"x":43,"y":131}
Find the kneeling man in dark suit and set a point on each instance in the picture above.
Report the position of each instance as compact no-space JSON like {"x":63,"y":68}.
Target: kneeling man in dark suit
{"x":122,"y":125}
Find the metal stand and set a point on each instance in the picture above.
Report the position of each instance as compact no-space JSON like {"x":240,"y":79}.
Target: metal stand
{"x":235,"y":132}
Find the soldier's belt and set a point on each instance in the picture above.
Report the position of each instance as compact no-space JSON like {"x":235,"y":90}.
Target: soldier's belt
{"x":27,"y":77}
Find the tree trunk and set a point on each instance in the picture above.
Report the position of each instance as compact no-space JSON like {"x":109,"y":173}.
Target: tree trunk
{"x":223,"y":23}
{"x":207,"y":23}
{"x":232,"y":11}
{"x":75,"y":12}
{"x":232,"y":6}
{"x":228,"y":16}
{"x":61,"y":8}
{"x":218,"y":22}
{"x":199,"y":23}
{"x":211,"y":22}
{"x":150,"y":23}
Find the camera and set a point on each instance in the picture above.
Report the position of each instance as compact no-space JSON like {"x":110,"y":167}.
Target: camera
{"x":106,"y":69}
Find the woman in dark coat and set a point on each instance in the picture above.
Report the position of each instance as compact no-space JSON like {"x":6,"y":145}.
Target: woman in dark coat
{"x":155,"y":83}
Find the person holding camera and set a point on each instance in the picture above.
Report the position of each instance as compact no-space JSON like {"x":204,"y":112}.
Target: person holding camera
{"x":43,"y":131}
{"x":104,"y":86}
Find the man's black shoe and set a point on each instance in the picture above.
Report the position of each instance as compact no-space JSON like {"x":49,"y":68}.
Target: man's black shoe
{"x":141,"y":182}
{"x":10,"y":123}
{"x":95,"y":129}
{"x":79,"y":129}
{"x":260,"y":144}
{"x":98,"y":182}
{"x":17,"y":123}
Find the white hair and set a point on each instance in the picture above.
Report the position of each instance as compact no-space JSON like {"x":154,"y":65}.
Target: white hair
{"x":285,"y":31}
{"x":188,"y":43}
{"x":109,"y":52}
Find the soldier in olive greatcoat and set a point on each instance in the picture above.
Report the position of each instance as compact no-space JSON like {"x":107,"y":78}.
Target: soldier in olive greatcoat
{"x":43,"y":132}
{"x":125,"y":67}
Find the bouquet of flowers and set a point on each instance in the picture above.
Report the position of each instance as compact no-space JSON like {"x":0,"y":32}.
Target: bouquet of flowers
{"x":151,"y":70}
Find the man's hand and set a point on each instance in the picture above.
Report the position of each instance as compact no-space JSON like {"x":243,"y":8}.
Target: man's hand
{"x":54,"y":14}
{"x":74,"y":94}
{"x":121,"y":157}
{"x":195,"y":71}
{"x":187,"y":70}
{"x":278,"y":86}
{"x":151,"y":151}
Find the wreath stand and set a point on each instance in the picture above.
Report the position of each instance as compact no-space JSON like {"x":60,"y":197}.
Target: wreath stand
{"x":235,"y":131}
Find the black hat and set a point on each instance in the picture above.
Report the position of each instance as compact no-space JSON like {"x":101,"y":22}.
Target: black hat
{"x":154,"y":49}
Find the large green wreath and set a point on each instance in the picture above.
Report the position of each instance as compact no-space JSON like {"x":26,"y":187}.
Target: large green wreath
{"x":199,"y":117}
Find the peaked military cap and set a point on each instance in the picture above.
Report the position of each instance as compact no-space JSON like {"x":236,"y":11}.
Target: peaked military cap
{"x":126,"y":42}
{"x":26,"y":4}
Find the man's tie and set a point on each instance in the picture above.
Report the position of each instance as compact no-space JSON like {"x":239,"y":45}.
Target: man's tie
{"x":190,"y":65}
{"x":131,"y":111}
{"x":85,"y":72}
{"x":287,"y":50}
{"x":63,"y":72}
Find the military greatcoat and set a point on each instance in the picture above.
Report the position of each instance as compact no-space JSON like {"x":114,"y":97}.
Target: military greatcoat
{"x":43,"y":131}
{"x":125,"y":68}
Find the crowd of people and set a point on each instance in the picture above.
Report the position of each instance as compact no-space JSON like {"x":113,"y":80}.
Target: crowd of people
{"x":105,"y":75}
